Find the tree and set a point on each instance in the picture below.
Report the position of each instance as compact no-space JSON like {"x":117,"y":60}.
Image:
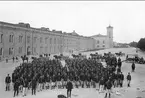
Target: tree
{"x":141,"y":44}
{"x":133,"y":44}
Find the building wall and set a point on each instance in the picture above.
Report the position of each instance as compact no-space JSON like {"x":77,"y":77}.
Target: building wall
{"x":104,"y":41}
{"x":23,"y":40}
{"x":101,"y":42}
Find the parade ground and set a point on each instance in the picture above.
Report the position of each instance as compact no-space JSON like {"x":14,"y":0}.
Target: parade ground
{"x":137,"y":89}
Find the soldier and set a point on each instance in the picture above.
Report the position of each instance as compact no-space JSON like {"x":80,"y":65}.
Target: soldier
{"x":69,"y":88}
{"x":108,"y":90}
{"x":13,"y":59}
{"x":7,"y":60}
{"x":101,"y":85}
{"x":16,"y":87}
{"x":8,"y":81}
{"x":122,"y":79}
{"x":40,"y":83}
{"x":133,"y":67}
{"x":34,"y":85}
{"x":16,"y":59}
{"x":128,"y":79}
{"x":25,"y":87}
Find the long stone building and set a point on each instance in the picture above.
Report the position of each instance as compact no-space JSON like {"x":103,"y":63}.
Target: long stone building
{"x":21,"y":39}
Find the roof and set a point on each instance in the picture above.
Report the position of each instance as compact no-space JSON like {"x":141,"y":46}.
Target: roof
{"x":99,"y":35}
{"x":109,"y":26}
{"x":74,"y":33}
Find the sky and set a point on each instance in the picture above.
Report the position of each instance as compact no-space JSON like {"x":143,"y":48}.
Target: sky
{"x":87,"y":18}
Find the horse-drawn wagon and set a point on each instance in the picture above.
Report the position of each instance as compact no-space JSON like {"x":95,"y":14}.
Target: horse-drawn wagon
{"x":120,"y":54}
{"x":135,"y":58}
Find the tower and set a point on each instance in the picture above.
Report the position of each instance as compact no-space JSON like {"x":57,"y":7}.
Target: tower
{"x":110,"y":36}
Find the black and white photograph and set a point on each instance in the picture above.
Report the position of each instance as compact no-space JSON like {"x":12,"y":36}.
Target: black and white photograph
{"x":72,"y":49}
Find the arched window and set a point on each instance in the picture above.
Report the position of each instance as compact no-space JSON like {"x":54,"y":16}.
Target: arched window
{"x":103,"y":42}
{"x":40,"y":39}
{"x":54,"y":40}
{"x":28,"y":39}
{"x":35,"y":38}
{"x":20,"y":38}
{"x":50,"y":40}
{"x":1,"y":51}
{"x":11,"y":38}
{"x":1,"y":40}
{"x":11,"y":51}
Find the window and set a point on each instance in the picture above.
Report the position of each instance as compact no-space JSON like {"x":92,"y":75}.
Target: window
{"x":98,"y":46}
{"x":98,"y":42}
{"x":10,"y":51}
{"x":1,"y":51}
{"x":46,"y":40}
{"x":35,"y":38}
{"x":50,"y":40}
{"x":28,"y":39}
{"x":10,"y":38}
{"x":1,"y":40}
{"x":55,"y":41}
{"x":35,"y":49}
{"x":40,"y":39}
{"x":103,"y":46}
{"x":103,"y":42}
{"x":20,"y":49}
{"x":20,"y":38}
{"x":41,"y":49}
{"x":50,"y":49}
{"x":46,"y":48}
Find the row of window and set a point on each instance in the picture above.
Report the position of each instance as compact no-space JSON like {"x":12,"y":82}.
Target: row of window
{"x":99,"y":42}
{"x":11,"y":50}
{"x":11,"y":39}
{"x":59,"y":41}
{"x":99,"y":46}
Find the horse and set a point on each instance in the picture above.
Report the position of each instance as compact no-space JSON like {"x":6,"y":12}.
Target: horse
{"x":24,"y":58}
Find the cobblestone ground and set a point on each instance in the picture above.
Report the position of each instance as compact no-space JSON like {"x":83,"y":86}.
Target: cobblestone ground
{"x":137,"y":89}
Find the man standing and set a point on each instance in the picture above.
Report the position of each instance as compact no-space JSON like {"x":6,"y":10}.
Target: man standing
{"x":133,"y":67}
{"x":25,"y":87}
{"x":8,"y":81}
{"x":101,"y":85}
{"x":122,"y":79}
{"x":34,"y":85}
{"x":69,"y":88}
{"x":13,"y":59}
{"x":16,"y":87}
{"x":128,"y":79}
{"x":108,"y":90}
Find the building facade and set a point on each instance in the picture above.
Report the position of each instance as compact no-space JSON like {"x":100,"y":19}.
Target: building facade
{"x":21,"y":39}
{"x":104,"y":41}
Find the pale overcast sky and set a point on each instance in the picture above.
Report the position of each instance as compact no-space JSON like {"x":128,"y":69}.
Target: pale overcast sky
{"x":85,"y":17}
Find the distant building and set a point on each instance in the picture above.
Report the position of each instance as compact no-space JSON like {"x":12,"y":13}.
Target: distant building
{"x":104,"y":41}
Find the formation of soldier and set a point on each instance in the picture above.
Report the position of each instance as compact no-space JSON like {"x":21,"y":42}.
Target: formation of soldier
{"x":43,"y":73}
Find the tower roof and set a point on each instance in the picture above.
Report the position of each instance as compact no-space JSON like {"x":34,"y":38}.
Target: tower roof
{"x":109,"y":26}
